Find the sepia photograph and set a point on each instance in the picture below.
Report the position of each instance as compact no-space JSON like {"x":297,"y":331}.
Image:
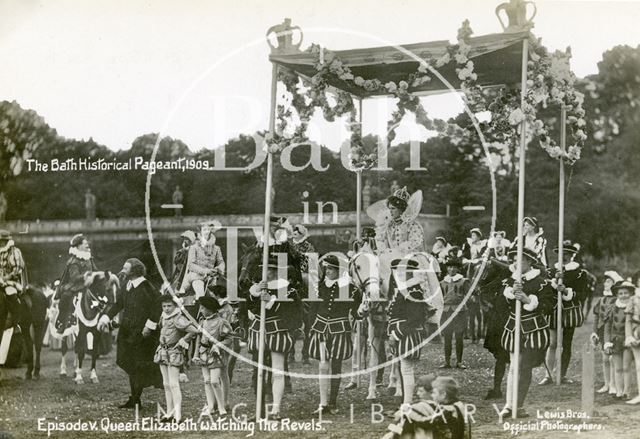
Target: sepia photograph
{"x":409,"y":219}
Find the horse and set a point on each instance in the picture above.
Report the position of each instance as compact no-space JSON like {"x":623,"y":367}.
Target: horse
{"x":372,"y":274}
{"x":32,"y":325}
{"x":90,"y":304}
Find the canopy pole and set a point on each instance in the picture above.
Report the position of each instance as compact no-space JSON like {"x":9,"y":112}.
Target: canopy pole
{"x":358,"y":237}
{"x":559,"y":329}
{"x":523,"y":141}
{"x":265,"y":241}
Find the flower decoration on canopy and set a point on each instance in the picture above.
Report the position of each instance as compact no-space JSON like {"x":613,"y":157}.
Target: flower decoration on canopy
{"x":549,"y":80}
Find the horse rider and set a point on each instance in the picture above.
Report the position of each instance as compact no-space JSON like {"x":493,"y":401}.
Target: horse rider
{"x":12,"y":272}
{"x":204,"y":261}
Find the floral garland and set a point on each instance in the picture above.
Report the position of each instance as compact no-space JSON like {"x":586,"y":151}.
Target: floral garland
{"x":548,"y":80}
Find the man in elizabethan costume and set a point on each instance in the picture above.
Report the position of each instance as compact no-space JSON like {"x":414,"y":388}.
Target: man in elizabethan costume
{"x":408,"y":310}
{"x":12,"y":271}
{"x":75,"y":279}
{"x":282,"y":316}
{"x":330,"y":337}
{"x":571,"y":282}
{"x":533,"y":239}
{"x":537,"y":296}
{"x":302,"y":246}
{"x":140,"y":304}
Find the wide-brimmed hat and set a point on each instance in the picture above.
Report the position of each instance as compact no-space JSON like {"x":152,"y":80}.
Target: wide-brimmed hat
{"x":5,"y":234}
{"x":568,"y":247}
{"x":613,"y":275}
{"x":623,"y":285}
{"x":533,"y":256}
{"x":211,"y":303}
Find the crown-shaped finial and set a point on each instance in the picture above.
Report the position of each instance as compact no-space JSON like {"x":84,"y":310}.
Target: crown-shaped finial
{"x":403,"y":194}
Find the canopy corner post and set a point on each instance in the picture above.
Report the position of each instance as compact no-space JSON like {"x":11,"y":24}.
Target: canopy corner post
{"x":521,"y":179}
{"x":561,"y":190}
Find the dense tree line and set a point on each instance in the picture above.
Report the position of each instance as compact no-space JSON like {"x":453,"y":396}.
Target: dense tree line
{"x":602,"y":197}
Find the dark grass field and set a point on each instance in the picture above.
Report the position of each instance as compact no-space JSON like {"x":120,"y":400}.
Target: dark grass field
{"x":58,"y":399}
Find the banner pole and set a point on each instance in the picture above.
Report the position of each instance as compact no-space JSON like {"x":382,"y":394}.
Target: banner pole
{"x":265,"y":242}
{"x":559,"y":329}
{"x":521,"y":175}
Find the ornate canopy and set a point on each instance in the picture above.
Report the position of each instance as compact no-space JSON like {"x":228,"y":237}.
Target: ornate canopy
{"x":497,"y":60}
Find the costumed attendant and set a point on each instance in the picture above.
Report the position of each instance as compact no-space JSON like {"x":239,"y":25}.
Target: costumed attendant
{"x":614,"y":338}
{"x":533,"y":239}
{"x":440,"y":249}
{"x":573,"y":288}
{"x":137,"y":336}
{"x":472,"y":253}
{"x":282,"y":316}
{"x":601,"y":313}
{"x":227,"y":312}
{"x":215,"y":331}
{"x":330,"y":337}
{"x":12,"y":271}
{"x":300,"y":242}
{"x":176,"y":330}
{"x":632,"y":334}
{"x":73,"y":282}
{"x":408,"y":311}
{"x":454,"y":287}
{"x":498,"y":246}
{"x":537,"y":296}
{"x":204,"y":261}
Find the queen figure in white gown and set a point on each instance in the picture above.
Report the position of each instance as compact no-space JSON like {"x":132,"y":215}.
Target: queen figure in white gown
{"x":400,"y":235}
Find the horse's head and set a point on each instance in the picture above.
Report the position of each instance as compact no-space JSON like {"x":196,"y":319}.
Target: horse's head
{"x":249,"y":263}
{"x":103,"y":284}
{"x":364,"y":269}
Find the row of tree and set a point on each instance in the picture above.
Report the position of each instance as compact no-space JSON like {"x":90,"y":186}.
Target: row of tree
{"x":602,"y":200}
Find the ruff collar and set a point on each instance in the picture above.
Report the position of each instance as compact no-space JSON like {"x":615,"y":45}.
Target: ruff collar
{"x":529,"y":275}
{"x":277,"y":284}
{"x":341,"y":281}
{"x":620,"y":304}
{"x":85,"y":256}
{"x":7,"y":246}
{"x":573,"y":265}
{"x":455,"y":278}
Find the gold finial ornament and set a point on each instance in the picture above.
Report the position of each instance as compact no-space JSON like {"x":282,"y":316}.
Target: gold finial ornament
{"x":284,"y":35}
{"x":516,"y":11}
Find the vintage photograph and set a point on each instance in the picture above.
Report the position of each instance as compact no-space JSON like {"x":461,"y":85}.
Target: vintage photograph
{"x":411,"y":219}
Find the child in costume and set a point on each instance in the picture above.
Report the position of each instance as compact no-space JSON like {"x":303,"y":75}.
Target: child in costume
{"x":454,"y":316}
{"x":441,"y":417}
{"x":632,"y":333}
{"x":210,"y":355}
{"x":614,"y":337}
{"x":601,"y":313}
{"x":176,"y":330}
